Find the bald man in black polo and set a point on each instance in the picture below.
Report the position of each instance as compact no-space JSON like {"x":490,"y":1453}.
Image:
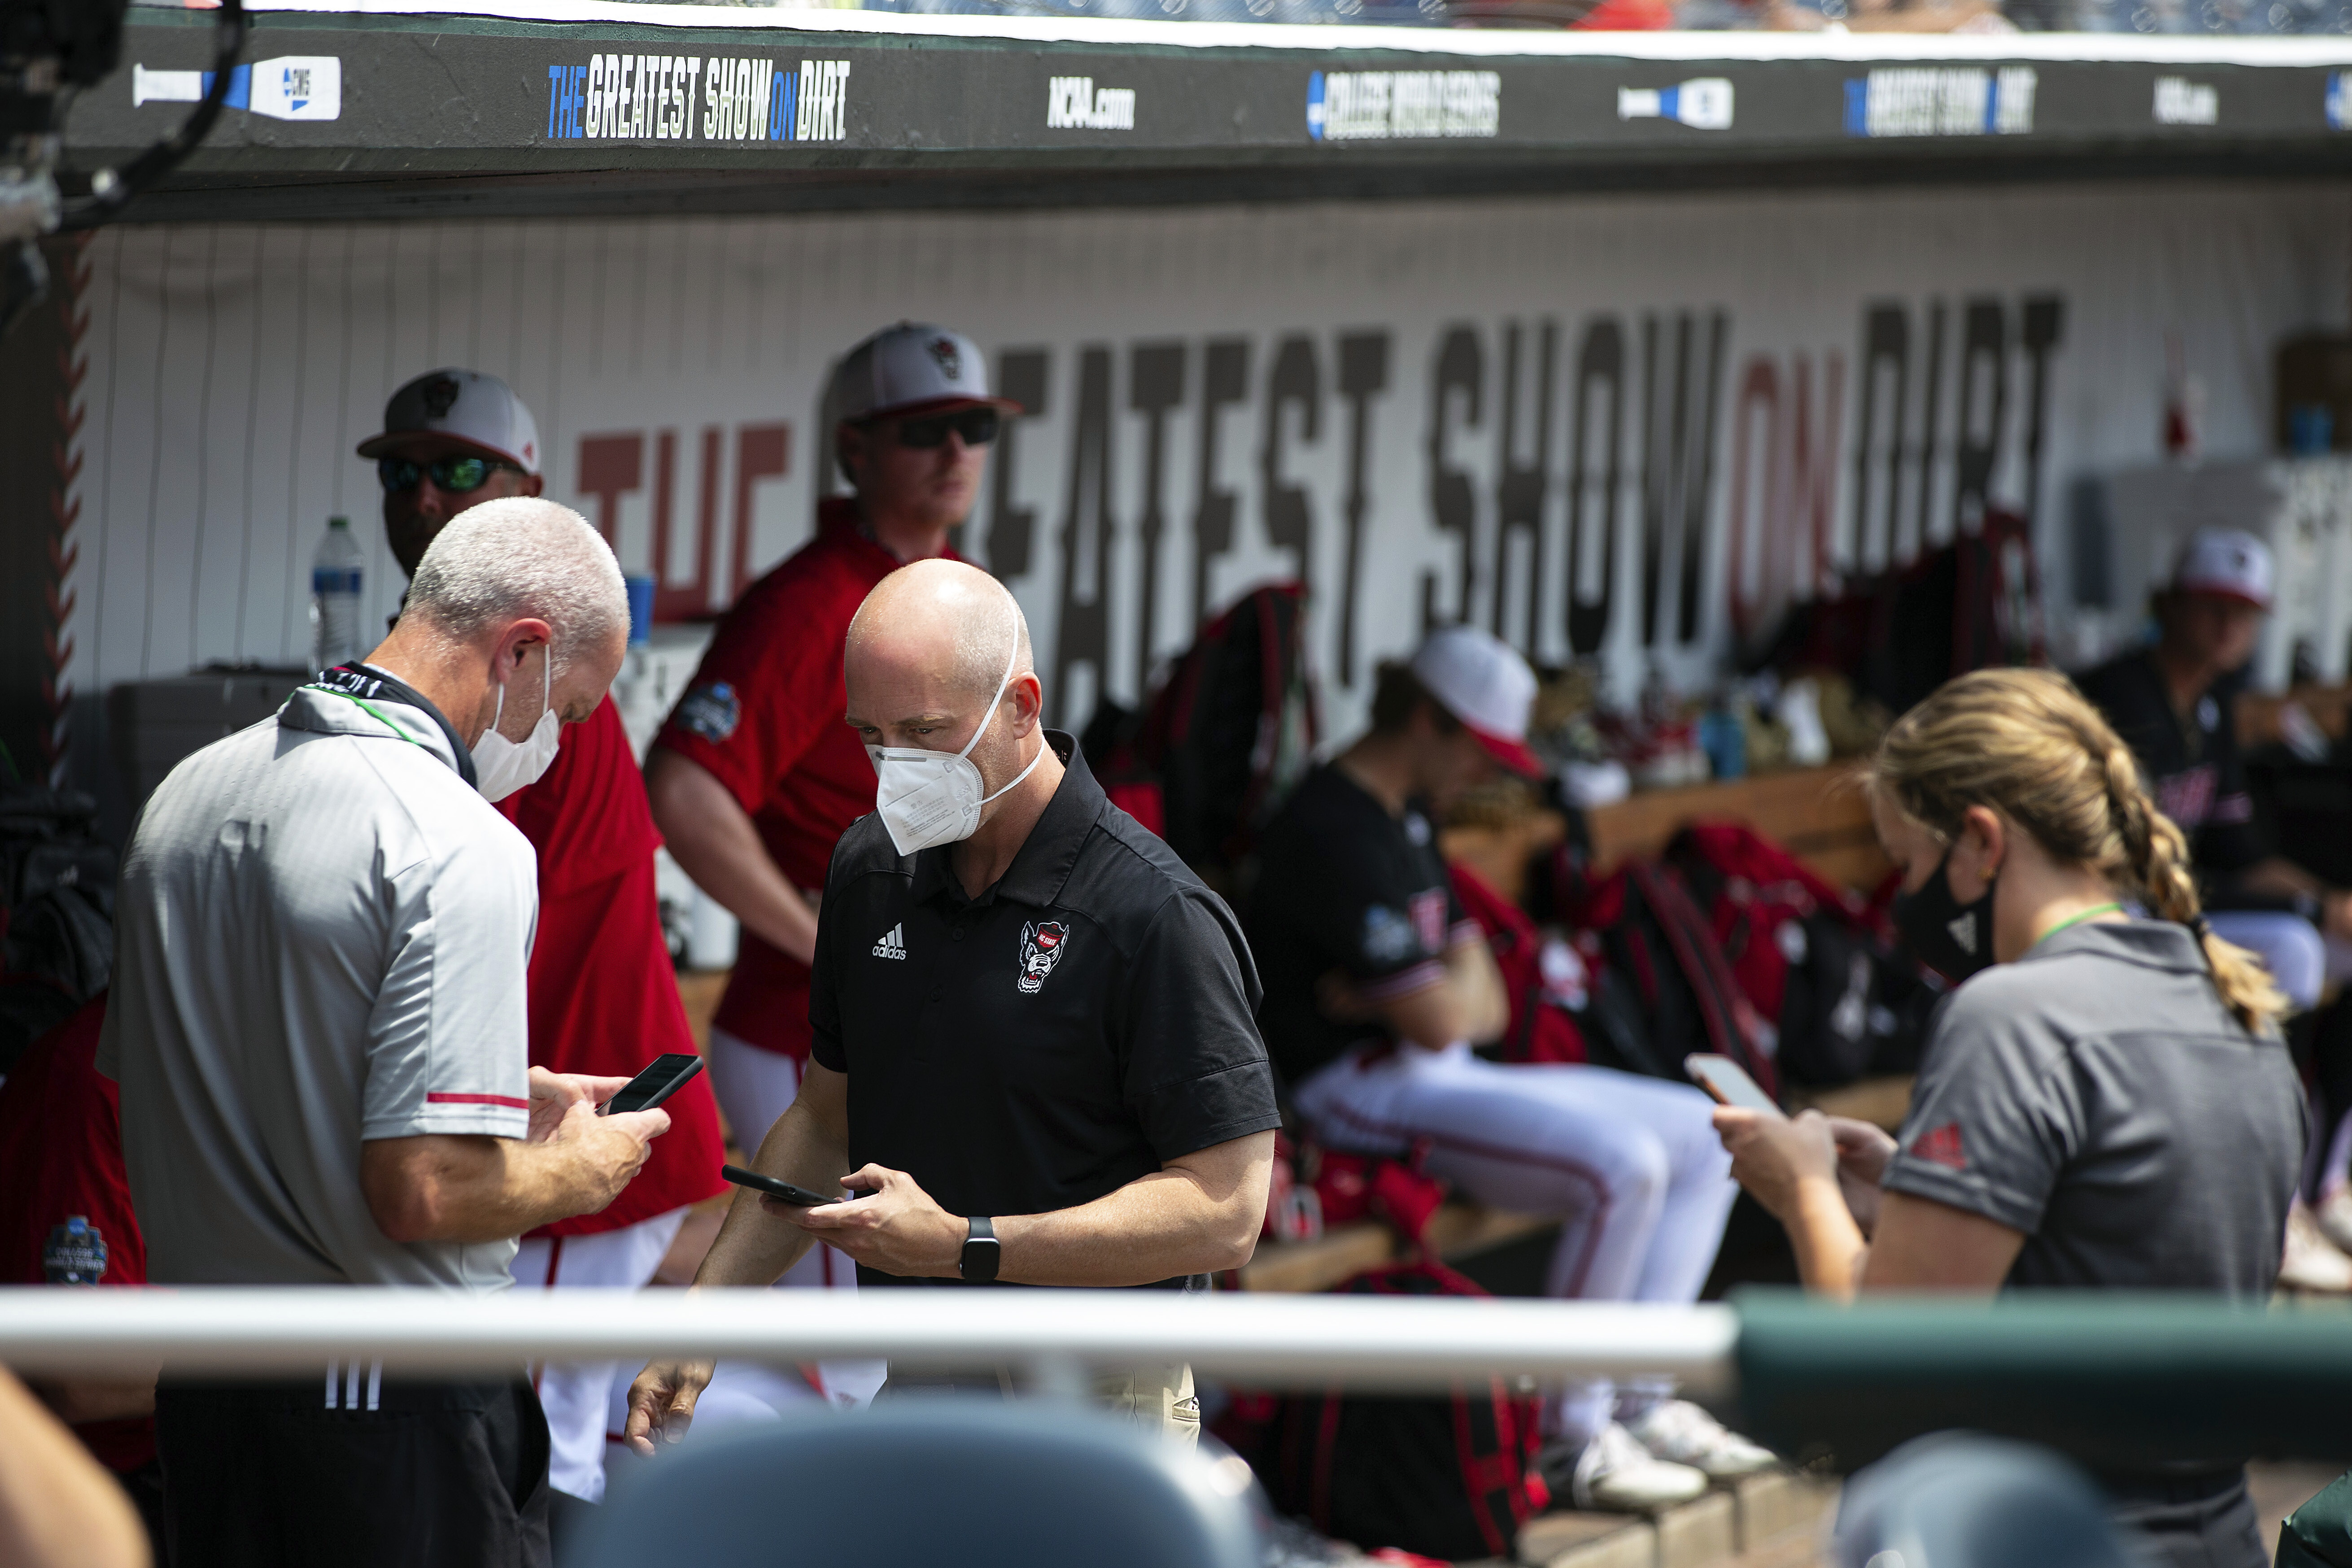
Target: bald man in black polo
{"x":1035,"y":1060}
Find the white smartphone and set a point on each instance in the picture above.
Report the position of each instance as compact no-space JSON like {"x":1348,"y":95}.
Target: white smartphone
{"x":1730,"y":1084}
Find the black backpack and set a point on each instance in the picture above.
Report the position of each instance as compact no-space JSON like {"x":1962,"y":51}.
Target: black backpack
{"x":56,"y":913}
{"x":1663,"y":989}
{"x":1452,"y":1478}
{"x":1233,"y":728}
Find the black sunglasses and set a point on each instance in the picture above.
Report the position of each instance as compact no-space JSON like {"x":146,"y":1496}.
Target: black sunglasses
{"x":977,"y":426}
{"x":457,"y":475}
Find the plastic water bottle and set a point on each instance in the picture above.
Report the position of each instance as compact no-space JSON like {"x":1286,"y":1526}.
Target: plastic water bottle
{"x":335,"y":597}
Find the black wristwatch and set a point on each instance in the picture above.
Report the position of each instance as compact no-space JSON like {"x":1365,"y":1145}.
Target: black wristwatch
{"x":980,"y":1250}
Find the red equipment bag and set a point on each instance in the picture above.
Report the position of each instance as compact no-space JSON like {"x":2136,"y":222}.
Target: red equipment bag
{"x":1449,"y":1477}
{"x":1834,"y":994}
{"x":1223,"y":741}
{"x":1657,"y":945}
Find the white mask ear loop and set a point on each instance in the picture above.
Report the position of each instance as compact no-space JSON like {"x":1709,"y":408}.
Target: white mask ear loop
{"x":547,"y":696}
{"x":1000,"y":686}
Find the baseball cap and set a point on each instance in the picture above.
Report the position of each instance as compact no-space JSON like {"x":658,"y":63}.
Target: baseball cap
{"x":1483,"y":682}
{"x":913,"y":365}
{"x":465,"y":406}
{"x":2229,"y":562}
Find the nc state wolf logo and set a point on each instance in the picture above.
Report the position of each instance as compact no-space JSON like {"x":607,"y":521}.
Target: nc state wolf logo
{"x":441,"y":395}
{"x":1041,"y":949}
{"x":950,"y":362}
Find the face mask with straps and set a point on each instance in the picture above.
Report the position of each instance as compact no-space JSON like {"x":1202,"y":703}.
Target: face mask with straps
{"x":931,"y":798}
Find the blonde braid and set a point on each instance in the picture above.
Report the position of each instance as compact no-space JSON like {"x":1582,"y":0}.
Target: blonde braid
{"x":2158,"y":853}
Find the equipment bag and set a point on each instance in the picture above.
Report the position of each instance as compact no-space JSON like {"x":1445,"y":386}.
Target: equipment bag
{"x":56,"y":912}
{"x":1233,"y":728}
{"x":1450,"y":1478}
{"x":1657,"y":945}
{"x":1819,"y":962}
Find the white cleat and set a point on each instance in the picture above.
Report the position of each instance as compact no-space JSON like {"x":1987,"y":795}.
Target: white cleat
{"x":1681,"y":1433}
{"x":2310,"y":1261}
{"x":2334,"y":1213}
{"x":1615,"y":1474}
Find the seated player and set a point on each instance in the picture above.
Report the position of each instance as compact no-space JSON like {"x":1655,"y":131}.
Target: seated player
{"x":1376,"y":988}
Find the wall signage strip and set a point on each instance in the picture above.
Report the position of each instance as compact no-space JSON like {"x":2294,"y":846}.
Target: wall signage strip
{"x":503,"y":97}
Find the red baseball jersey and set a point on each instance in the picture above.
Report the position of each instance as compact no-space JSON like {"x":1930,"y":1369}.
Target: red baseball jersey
{"x":765,"y":716}
{"x":65,"y":1202}
{"x":604,"y":998}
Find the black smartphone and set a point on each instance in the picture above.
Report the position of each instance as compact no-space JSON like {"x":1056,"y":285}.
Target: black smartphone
{"x":669,"y":1073}
{"x":798,"y":1197}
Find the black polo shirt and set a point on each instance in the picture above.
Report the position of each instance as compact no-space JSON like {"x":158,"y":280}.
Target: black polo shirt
{"x":1077,"y":1026}
{"x":1344,"y":885}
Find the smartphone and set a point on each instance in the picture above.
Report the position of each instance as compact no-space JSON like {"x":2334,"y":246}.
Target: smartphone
{"x":1728,"y":1082}
{"x":798,"y":1197}
{"x":669,"y":1074}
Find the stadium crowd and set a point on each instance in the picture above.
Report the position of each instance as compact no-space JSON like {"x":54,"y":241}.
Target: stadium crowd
{"x":384,"y":963}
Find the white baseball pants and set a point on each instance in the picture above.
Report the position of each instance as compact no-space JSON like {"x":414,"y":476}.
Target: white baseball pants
{"x":754,"y":1087}
{"x":575,"y":1393}
{"x":1631,"y":1164}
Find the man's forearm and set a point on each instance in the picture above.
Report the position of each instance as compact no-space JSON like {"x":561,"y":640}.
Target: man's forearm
{"x":474,"y":1189}
{"x":754,"y":1247}
{"x":1157,"y":1227}
{"x":1486,"y":1010}
{"x":715,"y":843}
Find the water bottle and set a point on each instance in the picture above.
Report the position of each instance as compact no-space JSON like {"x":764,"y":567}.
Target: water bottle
{"x":335,"y":597}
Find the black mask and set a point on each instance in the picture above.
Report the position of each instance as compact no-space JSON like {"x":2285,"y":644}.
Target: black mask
{"x":1952,"y":938}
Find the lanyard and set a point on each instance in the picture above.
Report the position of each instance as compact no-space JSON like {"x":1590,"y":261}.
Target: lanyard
{"x":370,"y":713}
{"x":2091,"y":913}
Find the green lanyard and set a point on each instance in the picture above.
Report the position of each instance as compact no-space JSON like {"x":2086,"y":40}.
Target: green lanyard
{"x":2091,"y":913}
{"x":420,"y":744}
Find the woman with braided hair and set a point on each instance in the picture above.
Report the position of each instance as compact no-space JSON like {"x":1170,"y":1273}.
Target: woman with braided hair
{"x":2105,"y":1101}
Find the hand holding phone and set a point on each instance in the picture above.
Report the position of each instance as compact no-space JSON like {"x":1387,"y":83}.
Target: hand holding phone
{"x":669,"y":1073}
{"x":784,"y":1191}
{"x":1730,"y":1084}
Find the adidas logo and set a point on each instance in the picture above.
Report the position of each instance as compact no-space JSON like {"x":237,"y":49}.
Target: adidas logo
{"x":1964,"y":932}
{"x":893,"y":944}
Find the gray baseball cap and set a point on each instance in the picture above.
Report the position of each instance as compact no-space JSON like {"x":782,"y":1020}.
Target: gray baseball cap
{"x":908,"y":367}
{"x":465,"y":406}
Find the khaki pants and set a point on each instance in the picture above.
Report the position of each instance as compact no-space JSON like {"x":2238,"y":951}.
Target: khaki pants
{"x":1158,"y":1396}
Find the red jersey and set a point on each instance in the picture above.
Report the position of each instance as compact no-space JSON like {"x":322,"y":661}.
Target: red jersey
{"x":765,"y":716}
{"x":65,"y":1202}
{"x":604,"y":998}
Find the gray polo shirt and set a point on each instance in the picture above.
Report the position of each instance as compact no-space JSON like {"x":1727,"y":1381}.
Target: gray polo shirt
{"x":2096,"y":1096}
{"x":322,"y":936}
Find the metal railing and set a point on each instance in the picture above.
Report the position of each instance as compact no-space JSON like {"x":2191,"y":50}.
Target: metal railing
{"x":1274,"y":1342}
{"x":2110,"y":1377}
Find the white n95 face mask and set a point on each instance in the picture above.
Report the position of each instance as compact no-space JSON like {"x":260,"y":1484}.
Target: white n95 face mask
{"x":930,"y":797}
{"x":501,"y":767}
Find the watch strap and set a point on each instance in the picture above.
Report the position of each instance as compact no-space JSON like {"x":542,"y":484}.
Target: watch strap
{"x":980,"y":1251}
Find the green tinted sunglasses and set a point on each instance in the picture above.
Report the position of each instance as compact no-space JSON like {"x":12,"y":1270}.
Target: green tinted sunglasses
{"x":455,"y":475}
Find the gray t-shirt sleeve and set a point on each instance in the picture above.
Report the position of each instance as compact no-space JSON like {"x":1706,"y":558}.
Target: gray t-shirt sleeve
{"x":1996,"y":1114}
{"x":446,"y":1048}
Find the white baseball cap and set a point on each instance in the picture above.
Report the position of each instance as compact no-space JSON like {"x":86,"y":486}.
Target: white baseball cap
{"x":913,"y":365}
{"x":464,"y":406}
{"x":2228,"y":562}
{"x":1483,"y":682}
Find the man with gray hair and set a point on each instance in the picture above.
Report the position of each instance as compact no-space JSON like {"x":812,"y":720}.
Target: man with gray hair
{"x":1035,"y":1058}
{"x":322,"y":929}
